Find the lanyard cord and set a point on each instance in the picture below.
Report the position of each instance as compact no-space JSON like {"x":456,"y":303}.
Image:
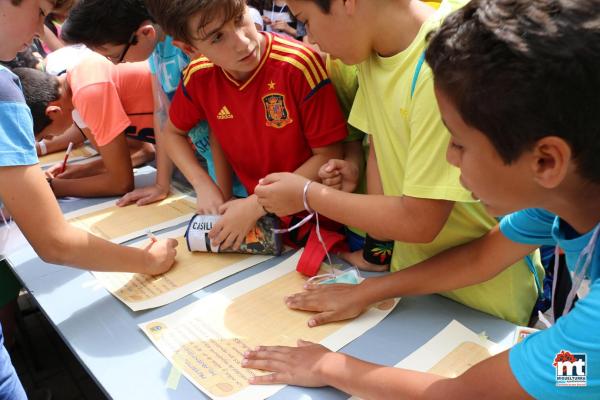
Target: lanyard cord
{"x":579,"y":272}
{"x":279,"y":13}
{"x":311,"y":213}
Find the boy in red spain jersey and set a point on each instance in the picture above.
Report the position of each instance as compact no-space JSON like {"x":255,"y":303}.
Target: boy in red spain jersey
{"x":267,"y":99}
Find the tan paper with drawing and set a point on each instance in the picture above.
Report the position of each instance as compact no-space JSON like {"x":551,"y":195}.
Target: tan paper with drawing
{"x":191,"y":272}
{"x":207,"y":339}
{"x":120,"y":224}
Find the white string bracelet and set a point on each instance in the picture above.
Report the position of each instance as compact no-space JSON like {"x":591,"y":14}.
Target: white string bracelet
{"x":43,"y":148}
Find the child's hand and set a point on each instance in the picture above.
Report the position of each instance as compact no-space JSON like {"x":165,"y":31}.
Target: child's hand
{"x":238,"y":217}
{"x":160,"y":256}
{"x":331,"y":302}
{"x":266,"y":20}
{"x":72,"y":171}
{"x":144,"y":196}
{"x":208,"y":200}
{"x":281,"y":193}
{"x":299,"y":366}
{"x":340,"y":175}
{"x":279,"y":25}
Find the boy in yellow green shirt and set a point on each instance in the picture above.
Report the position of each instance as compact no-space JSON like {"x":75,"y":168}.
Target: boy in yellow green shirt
{"x":424,"y":208}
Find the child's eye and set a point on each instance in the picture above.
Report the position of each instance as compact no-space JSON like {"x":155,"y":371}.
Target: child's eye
{"x":456,"y":145}
{"x":216,"y":38}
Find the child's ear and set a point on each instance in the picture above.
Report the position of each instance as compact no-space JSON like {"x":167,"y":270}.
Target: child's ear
{"x":350,"y":6}
{"x":147,"y":30}
{"x":54,"y":112}
{"x":552,"y":159}
{"x":187,"y":49}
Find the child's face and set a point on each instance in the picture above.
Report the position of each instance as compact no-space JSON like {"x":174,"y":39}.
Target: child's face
{"x":335,"y":32}
{"x":501,"y":188}
{"x":143,"y":41}
{"x":235,"y":45}
{"x":20,"y":24}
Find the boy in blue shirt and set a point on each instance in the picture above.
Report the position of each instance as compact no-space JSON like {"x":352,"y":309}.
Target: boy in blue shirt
{"x":27,"y":195}
{"x":517,"y":84}
{"x":124,"y":31}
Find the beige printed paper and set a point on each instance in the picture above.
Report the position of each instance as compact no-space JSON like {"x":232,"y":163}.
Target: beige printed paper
{"x":206,"y":340}
{"x":452,"y":351}
{"x":120,"y":224}
{"x":79,"y":153}
{"x":460,"y":359}
{"x":191,"y":272}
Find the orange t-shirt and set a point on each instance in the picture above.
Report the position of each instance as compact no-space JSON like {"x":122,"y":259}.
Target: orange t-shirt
{"x":112,"y":99}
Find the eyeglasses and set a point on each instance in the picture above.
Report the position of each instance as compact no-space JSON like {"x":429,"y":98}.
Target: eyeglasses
{"x":132,"y":42}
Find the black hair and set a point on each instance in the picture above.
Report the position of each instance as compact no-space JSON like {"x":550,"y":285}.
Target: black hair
{"x":99,"y":22}
{"x":24,"y":59}
{"x":521,"y":70}
{"x":39,"y":89}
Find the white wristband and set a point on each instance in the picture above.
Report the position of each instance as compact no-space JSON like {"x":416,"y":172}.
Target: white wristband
{"x":43,"y":148}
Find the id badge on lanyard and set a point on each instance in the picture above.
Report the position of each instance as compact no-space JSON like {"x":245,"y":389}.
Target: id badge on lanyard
{"x":578,"y":276}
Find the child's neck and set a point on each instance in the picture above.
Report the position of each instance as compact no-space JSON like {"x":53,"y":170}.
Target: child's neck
{"x":397,"y":25}
{"x":577,"y":204}
{"x":65,"y":88}
{"x":160,"y":34}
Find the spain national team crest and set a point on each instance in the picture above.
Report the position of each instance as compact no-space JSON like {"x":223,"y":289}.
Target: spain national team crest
{"x":275,"y":110}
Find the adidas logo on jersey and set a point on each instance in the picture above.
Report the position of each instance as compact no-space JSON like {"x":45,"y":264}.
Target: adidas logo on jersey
{"x":224,"y":113}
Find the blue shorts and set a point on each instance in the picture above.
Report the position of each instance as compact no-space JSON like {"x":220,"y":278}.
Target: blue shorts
{"x":354,"y":240}
{"x":10,"y":385}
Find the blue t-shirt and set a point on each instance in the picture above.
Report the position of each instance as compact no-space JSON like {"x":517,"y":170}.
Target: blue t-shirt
{"x":17,"y":142}
{"x":533,"y":360}
{"x":17,"y":148}
{"x":167,"y":62}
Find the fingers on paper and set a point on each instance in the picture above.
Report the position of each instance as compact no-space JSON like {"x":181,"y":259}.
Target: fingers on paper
{"x":323,"y":318}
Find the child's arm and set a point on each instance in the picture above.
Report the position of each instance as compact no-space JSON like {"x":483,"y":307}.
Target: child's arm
{"x":239,"y":216}
{"x":223,"y":170}
{"x":310,"y":168}
{"x":116,"y":179}
{"x":164,"y":165}
{"x":344,"y":174}
{"x":313,"y":365}
{"x":28,"y":197}
{"x":401,"y":218}
{"x":449,"y":270}
{"x":61,"y":142}
{"x":209,"y":196}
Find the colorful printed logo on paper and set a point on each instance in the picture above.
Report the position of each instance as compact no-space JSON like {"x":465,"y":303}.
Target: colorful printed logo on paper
{"x":571,"y":369}
{"x":276,"y":111}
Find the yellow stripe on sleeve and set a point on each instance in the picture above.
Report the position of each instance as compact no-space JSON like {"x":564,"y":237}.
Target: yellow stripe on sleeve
{"x":296,"y":64}
{"x":311,"y":53}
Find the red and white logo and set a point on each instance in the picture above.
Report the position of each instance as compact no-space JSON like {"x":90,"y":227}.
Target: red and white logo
{"x":571,"y":368}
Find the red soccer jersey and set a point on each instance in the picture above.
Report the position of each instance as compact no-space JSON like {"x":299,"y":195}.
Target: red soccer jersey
{"x":272,"y":121}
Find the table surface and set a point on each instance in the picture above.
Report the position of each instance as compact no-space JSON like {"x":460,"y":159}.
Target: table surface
{"x":103,"y":334}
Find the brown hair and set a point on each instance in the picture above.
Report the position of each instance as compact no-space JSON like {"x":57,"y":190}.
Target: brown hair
{"x":174,"y":15}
